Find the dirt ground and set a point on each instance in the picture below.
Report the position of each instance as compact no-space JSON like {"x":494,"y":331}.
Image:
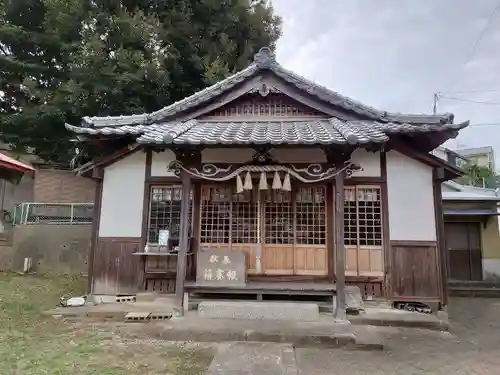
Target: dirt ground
{"x":471,"y":347}
{"x":31,"y":344}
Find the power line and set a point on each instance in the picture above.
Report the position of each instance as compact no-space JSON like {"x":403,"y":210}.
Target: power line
{"x":468,"y":100}
{"x":484,"y":124}
{"x":467,"y":91}
{"x":478,"y":41}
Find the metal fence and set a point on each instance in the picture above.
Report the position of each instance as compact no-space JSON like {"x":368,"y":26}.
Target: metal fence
{"x":53,"y":213}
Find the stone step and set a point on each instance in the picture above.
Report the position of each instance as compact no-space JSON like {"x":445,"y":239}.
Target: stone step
{"x":474,"y":291}
{"x":254,"y":358}
{"x":250,"y":310}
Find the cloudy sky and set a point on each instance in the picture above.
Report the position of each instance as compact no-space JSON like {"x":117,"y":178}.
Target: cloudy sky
{"x":394,"y":54}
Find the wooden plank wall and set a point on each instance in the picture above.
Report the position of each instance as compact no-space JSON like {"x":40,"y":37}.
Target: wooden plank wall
{"x":115,"y":268}
{"x":415,"y":271}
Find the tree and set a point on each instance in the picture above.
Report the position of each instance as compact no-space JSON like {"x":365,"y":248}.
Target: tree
{"x":61,"y":60}
{"x":480,"y":176}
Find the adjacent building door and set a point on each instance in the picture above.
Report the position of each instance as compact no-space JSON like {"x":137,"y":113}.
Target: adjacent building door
{"x":463,"y":242}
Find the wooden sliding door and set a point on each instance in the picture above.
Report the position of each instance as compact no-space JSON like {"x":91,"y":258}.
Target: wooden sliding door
{"x":287,"y":229}
{"x":294,"y":232}
{"x":363,"y":231}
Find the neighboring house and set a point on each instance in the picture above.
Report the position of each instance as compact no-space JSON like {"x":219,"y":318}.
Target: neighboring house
{"x":482,"y":156}
{"x":252,"y":165}
{"x":48,"y":183}
{"x":450,"y":156}
{"x":472,"y":232}
{"x":11,"y":170}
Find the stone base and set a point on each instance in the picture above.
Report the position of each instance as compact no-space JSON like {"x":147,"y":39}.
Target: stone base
{"x":284,"y":311}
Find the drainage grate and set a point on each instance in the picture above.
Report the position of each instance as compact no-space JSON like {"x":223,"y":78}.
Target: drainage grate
{"x":125,"y":299}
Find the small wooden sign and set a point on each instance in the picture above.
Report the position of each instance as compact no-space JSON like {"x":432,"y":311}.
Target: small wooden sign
{"x":220,"y":268}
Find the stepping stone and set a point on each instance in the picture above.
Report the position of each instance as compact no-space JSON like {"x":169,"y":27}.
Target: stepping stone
{"x":299,"y":312}
{"x":137,"y":317}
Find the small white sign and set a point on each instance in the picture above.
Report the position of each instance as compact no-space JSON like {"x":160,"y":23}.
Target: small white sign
{"x":163,"y":237}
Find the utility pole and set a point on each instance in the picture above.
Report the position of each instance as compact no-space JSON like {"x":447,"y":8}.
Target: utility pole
{"x":436,"y":98}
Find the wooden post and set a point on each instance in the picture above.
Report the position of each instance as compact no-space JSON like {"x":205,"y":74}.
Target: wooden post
{"x":340,"y":305}
{"x":183,"y":242}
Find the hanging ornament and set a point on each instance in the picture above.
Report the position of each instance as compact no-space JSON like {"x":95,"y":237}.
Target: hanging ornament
{"x":239,"y":184}
{"x":263,"y":181}
{"x":248,"y":182}
{"x":287,"y":186}
{"x":276,"y":181}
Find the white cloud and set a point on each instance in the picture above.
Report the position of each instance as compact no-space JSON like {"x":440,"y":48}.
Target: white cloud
{"x":394,"y":54}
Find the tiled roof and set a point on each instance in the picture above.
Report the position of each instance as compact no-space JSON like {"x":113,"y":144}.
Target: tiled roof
{"x":265,"y":61}
{"x":327,"y":131}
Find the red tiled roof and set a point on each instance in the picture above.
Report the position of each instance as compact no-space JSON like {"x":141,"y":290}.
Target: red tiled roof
{"x":13,"y":164}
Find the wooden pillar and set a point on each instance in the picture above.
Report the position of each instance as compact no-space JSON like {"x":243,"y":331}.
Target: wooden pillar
{"x":183,"y":242}
{"x":340,"y":305}
{"x":441,"y":244}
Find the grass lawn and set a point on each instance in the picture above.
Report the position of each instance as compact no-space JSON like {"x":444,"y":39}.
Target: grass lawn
{"x":32,"y":344}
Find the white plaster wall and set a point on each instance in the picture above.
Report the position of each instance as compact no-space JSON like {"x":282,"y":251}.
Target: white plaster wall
{"x":122,"y":197}
{"x":411,"y":199}
{"x":298,"y":155}
{"x":491,"y":269}
{"x":369,"y":161}
{"x":160,"y":162}
{"x":227,"y":155}
{"x":281,"y":155}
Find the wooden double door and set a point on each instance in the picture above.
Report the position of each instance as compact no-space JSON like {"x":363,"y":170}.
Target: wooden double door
{"x":463,"y":243}
{"x":281,"y":232}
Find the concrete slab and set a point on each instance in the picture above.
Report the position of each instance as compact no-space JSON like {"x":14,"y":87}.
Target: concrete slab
{"x":304,"y":312}
{"x":146,"y":296}
{"x":400,"y":318}
{"x":322,"y":333}
{"x":254,"y":358}
{"x":113,"y":311}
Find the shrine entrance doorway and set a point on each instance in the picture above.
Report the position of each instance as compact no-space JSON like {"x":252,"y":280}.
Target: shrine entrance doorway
{"x":280,"y":232}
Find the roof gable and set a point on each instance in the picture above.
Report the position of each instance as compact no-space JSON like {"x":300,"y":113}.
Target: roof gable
{"x":249,"y":79}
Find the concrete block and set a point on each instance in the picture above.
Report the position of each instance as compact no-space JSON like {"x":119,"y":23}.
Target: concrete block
{"x":137,"y":317}
{"x":125,"y":299}
{"x":304,"y":312}
{"x":161,"y":315}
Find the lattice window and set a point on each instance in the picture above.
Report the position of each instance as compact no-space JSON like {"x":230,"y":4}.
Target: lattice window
{"x":278,"y":217}
{"x":215,"y":214}
{"x":271,"y":105}
{"x":310,"y":216}
{"x":363,"y":216}
{"x":244,"y":216}
{"x":363,"y":230}
{"x":165,"y":211}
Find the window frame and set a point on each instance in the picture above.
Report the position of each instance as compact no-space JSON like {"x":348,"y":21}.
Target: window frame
{"x":171,"y":186}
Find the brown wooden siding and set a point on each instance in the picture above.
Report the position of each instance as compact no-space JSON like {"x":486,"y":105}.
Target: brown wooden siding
{"x":415,"y":272}
{"x":115,"y":268}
